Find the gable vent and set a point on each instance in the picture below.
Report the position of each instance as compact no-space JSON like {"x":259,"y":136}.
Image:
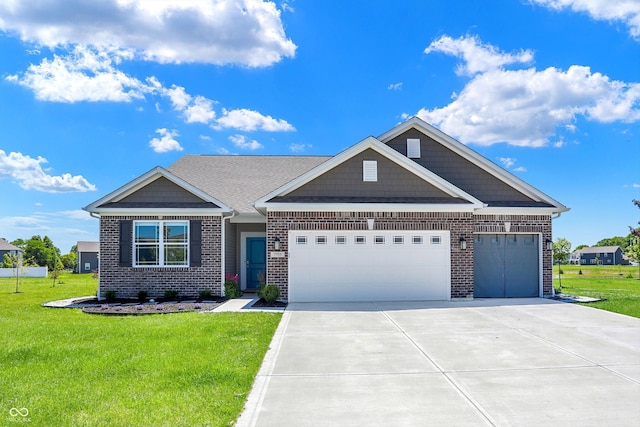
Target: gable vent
{"x":369,"y":170}
{"x":413,"y":148}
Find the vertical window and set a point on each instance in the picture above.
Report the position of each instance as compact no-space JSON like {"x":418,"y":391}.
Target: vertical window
{"x":413,"y":148}
{"x":369,"y":170}
{"x":161,"y":243}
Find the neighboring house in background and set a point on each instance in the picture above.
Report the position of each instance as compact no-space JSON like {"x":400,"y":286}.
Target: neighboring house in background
{"x":599,"y":255}
{"x":88,"y":256}
{"x":8,"y":248}
{"x":410,"y":215}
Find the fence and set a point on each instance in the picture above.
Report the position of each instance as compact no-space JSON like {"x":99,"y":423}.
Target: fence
{"x":24,"y":272}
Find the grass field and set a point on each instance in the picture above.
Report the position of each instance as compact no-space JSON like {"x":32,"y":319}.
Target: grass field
{"x":69,"y":368}
{"x":619,"y":285}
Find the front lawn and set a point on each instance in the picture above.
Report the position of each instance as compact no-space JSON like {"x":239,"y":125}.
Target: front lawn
{"x":70,"y":368}
{"x":617,"y":284}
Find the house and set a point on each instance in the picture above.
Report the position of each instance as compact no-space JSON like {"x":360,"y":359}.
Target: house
{"x":87,"y":256}
{"x":599,"y":255}
{"x":8,"y":248}
{"x":410,"y":215}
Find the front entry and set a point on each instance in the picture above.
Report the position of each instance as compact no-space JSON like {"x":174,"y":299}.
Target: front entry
{"x":255,"y":261}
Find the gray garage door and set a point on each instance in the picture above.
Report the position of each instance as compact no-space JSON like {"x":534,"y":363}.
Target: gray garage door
{"x":506,"y":265}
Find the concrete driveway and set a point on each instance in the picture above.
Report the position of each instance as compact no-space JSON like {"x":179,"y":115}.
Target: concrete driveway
{"x":525,"y":362}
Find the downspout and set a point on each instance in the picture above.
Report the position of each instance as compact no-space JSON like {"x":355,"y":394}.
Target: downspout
{"x":223,"y":250}
{"x":553,"y":290}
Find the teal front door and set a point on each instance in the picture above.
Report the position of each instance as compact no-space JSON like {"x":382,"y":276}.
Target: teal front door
{"x":256,"y":261}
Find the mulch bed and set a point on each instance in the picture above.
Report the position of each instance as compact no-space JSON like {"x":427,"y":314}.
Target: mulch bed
{"x":123,"y":307}
{"x":263,"y":304}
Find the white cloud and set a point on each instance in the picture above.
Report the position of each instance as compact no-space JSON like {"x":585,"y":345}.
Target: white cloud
{"x":83,"y":75}
{"x":525,"y":107}
{"x":249,"y":120}
{"x":299,"y":148}
{"x":625,"y":11}
{"x":200,"y":111}
{"x":477,"y":57}
{"x":29,"y":174}
{"x":395,"y":86}
{"x":166,"y":142}
{"x":245,"y":32}
{"x":241,"y":141}
{"x":507,"y":162}
{"x":520,"y":169}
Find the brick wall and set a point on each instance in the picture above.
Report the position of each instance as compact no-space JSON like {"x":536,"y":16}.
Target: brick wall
{"x":459,"y":224}
{"x":127,"y":281}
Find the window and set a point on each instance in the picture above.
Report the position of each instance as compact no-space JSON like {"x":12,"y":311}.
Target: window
{"x":360,"y":240}
{"x":413,"y":148}
{"x":161,"y":244}
{"x":301,"y":240}
{"x":87,"y":266}
{"x":379,"y":240}
{"x":321,"y":240}
{"x":416,"y":240}
{"x":369,"y":170}
{"x":436,"y":240}
{"x":341,"y":240}
{"x":398,"y":240}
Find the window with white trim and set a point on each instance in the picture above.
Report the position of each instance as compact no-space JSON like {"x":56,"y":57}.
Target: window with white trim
{"x":161,"y":244}
{"x":379,"y":240}
{"x":398,"y":240}
{"x":341,"y":240}
{"x":413,"y":148}
{"x":360,"y":240}
{"x":369,"y":170}
{"x":416,"y":240}
{"x":321,"y":240}
{"x":301,"y":240}
{"x":436,"y":240}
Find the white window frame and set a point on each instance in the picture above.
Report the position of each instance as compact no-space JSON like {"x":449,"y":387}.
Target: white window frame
{"x":160,"y":244}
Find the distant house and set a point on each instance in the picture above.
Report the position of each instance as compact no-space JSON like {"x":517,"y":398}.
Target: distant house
{"x":8,"y":248}
{"x":598,"y":255}
{"x":87,"y":256}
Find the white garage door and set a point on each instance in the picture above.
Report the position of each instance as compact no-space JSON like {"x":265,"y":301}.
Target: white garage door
{"x":369,"y":266}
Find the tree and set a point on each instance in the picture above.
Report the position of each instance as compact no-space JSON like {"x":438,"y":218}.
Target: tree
{"x":18,"y":264}
{"x":580,"y":247}
{"x":561,"y":250}
{"x":634,"y":250}
{"x":69,"y":261}
{"x":623,"y":242}
{"x":42,"y":251}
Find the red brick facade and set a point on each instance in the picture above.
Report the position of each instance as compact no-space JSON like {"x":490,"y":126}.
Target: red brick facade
{"x":127,"y":281}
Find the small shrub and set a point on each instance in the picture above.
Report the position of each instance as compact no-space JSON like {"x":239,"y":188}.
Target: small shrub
{"x":142,"y":296}
{"x":269,"y":293}
{"x":110,"y":294}
{"x":171,"y":294}
{"x":204,"y":293}
{"x":231,"y":289}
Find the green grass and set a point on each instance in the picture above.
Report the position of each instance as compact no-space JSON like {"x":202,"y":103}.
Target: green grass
{"x":69,"y":368}
{"x":619,"y":285}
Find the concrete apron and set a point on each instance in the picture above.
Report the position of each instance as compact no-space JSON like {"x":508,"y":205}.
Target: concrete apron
{"x":526,"y":362}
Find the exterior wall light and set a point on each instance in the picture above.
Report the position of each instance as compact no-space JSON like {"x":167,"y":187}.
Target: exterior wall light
{"x":549,"y":243}
{"x":276,"y":243}
{"x":463,"y":243}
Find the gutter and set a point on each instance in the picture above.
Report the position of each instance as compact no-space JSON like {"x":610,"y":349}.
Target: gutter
{"x":97,"y":216}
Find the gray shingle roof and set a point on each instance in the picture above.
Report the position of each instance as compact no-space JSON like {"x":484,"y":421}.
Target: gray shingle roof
{"x":6,"y":246}
{"x":84,"y":246}
{"x":238,"y":181}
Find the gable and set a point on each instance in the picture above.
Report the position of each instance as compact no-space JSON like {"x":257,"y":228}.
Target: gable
{"x":161,"y":193}
{"x":344,"y":184}
{"x":463,"y":173}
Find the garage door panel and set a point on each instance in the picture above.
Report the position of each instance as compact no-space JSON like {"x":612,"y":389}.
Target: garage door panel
{"x":393,"y":269}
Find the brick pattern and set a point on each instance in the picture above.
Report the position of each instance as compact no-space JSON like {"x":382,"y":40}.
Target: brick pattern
{"x":459,"y":224}
{"x":127,"y":281}
{"x":523,"y":224}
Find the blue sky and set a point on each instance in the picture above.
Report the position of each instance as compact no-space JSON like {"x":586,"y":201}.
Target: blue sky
{"x":95,"y":93}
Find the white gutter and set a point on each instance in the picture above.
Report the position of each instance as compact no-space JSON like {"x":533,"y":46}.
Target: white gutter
{"x":93,"y":215}
{"x":222,"y":251}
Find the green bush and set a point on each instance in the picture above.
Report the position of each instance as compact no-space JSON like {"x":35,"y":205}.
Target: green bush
{"x":231,"y":289}
{"x":171,"y":294}
{"x":110,"y":294}
{"x":269,"y":293}
{"x":204,"y":293}
{"x":142,"y":296}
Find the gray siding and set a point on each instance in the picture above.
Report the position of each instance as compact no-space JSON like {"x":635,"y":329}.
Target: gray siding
{"x":87,"y":257}
{"x":161,"y":193}
{"x":344,"y":183}
{"x":461,"y":172}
